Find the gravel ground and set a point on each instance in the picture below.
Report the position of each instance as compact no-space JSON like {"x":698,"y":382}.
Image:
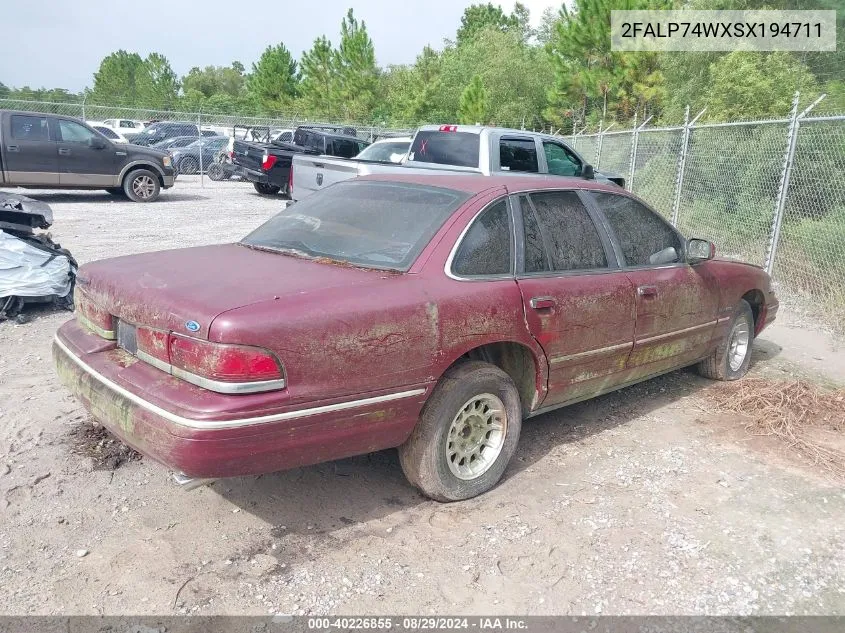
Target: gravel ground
{"x":636,"y":502}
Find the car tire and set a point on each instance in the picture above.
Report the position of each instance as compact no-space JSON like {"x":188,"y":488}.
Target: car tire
{"x":188,"y":166}
{"x":731,"y":359}
{"x":116,"y":191}
{"x":215,"y":171}
{"x":142,"y":185}
{"x":266,"y":190}
{"x":474,"y":408}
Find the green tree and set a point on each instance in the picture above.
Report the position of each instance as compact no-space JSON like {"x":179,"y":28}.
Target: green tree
{"x":479,"y":17}
{"x":474,"y":105}
{"x":319,"y":87}
{"x":156,"y":84}
{"x":273,"y":80}
{"x":592,"y":79}
{"x":750,"y":85}
{"x":116,"y":80}
{"x":212,"y":80}
{"x":4,"y":91}
{"x":356,"y":68}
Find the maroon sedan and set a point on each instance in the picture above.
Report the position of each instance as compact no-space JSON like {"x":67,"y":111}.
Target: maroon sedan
{"x":429,"y":313}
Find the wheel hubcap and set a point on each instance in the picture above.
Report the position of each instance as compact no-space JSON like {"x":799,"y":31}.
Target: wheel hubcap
{"x":476,"y":436}
{"x":738,"y":346}
{"x":143,"y":186}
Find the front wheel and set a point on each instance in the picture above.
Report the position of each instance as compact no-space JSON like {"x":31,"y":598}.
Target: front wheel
{"x":215,"y":171}
{"x":142,"y":185}
{"x":466,"y":434}
{"x":266,"y":189}
{"x":188,"y":166}
{"x":730,"y":361}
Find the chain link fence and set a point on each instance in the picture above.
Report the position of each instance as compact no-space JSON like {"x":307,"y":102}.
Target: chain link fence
{"x":768,"y":192}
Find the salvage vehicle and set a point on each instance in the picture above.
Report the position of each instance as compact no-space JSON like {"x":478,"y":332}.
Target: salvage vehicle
{"x":473,"y":149}
{"x":33,"y":268}
{"x":268,"y":165}
{"x":163,"y":130}
{"x":174,"y":142}
{"x":49,"y":151}
{"x":197,"y":156}
{"x":432,"y":313}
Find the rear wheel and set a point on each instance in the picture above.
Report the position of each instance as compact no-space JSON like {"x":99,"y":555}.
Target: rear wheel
{"x":142,"y":185}
{"x":215,"y":171}
{"x":730,"y":361}
{"x":466,"y":434}
{"x":188,"y":166}
{"x":266,"y":189}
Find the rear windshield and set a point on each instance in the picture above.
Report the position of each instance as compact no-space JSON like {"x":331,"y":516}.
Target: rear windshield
{"x":366,"y":223}
{"x":445,"y":148}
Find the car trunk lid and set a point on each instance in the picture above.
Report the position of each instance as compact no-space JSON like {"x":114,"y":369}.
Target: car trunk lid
{"x":184,"y":290}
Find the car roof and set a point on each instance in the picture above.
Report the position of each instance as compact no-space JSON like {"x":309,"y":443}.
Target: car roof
{"x":476,"y":183}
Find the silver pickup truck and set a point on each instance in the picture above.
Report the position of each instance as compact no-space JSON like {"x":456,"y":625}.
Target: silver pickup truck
{"x":457,"y":148}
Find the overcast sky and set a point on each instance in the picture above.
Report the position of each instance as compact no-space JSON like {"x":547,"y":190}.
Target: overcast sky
{"x":52,"y":47}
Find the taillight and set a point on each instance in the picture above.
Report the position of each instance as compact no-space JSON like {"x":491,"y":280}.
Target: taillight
{"x":94,"y":317}
{"x":267,"y":162}
{"x":448,"y":128}
{"x":203,"y":362}
{"x":152,"y":346}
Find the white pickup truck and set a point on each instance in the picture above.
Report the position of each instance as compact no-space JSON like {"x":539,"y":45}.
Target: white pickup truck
{"x":457,"y":148}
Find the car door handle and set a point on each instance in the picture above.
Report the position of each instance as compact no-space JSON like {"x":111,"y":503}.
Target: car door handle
{"x":64,"y":152}
{"x":13,"y":148}
{"x":542,"y":303}
{"x":647,"y":291}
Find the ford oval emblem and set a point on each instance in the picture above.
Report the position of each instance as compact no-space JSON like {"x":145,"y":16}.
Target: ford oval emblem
{"x":192,"y":326}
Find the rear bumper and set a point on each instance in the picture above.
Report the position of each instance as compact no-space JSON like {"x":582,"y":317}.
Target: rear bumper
{"x":253,"y":175}
{"x":227,"y":442}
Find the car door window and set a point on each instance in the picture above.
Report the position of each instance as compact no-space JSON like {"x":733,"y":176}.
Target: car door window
{"x":486,"y":247}
{"x":642,"y":234}
{"x":30,"y":128}
{"x":344,"y":148}
{"x":560,"y":235}
{"x":72,"y":132}
{"x":518,"y":154}
{"x":560,"y":161}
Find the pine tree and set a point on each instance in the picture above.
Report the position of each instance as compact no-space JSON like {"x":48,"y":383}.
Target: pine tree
{"x":356,"y":67}
{"x":474,"y":107}
{"x":273,"y":81}
{"x":319,"y":87}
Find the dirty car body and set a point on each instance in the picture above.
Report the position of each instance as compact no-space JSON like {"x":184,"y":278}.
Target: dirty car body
{"x":336,"y":328}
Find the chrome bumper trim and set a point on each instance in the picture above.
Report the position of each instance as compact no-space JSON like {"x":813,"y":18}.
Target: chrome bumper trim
{"x":228,"y":424}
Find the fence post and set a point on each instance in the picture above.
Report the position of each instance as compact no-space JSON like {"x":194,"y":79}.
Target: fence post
{"x":785,"y":175}
{"x":601,"y":141}
{"x":84,"y":97}
{"x":634,"y":140}
{"x":199,"y":135}
{"x":682,"y":163}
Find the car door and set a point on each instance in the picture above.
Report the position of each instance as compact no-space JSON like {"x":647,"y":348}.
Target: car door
{"x":579,"y":305}
{"x":86,"y":159}
{"x":30,"y":151}
{"x":676,"y":304}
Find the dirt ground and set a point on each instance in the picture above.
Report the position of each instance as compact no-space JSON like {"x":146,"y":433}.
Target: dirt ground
{"x":637,"y":502}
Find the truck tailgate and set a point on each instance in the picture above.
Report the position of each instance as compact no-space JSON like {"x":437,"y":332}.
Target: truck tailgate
{"x":247,"y":154}
{"x":312,"y":173}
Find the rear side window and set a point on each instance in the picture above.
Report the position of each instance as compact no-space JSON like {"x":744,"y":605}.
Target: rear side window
{"x":344,"y":148}
{"x":30,"y":128}
{"x":518,"y":154}
{"x":445,"y":148}
{"x":567,"y":234}
{"x":486,"y":247}
{"x":642,"y":234}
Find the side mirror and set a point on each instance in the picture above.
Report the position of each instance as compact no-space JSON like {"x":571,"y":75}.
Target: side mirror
{"x":700,"y":250}
{"x":587,"y":172}
{"x":96,"y":143}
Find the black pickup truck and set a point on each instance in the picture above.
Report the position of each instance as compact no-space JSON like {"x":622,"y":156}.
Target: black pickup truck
{"x":268,"y":165}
